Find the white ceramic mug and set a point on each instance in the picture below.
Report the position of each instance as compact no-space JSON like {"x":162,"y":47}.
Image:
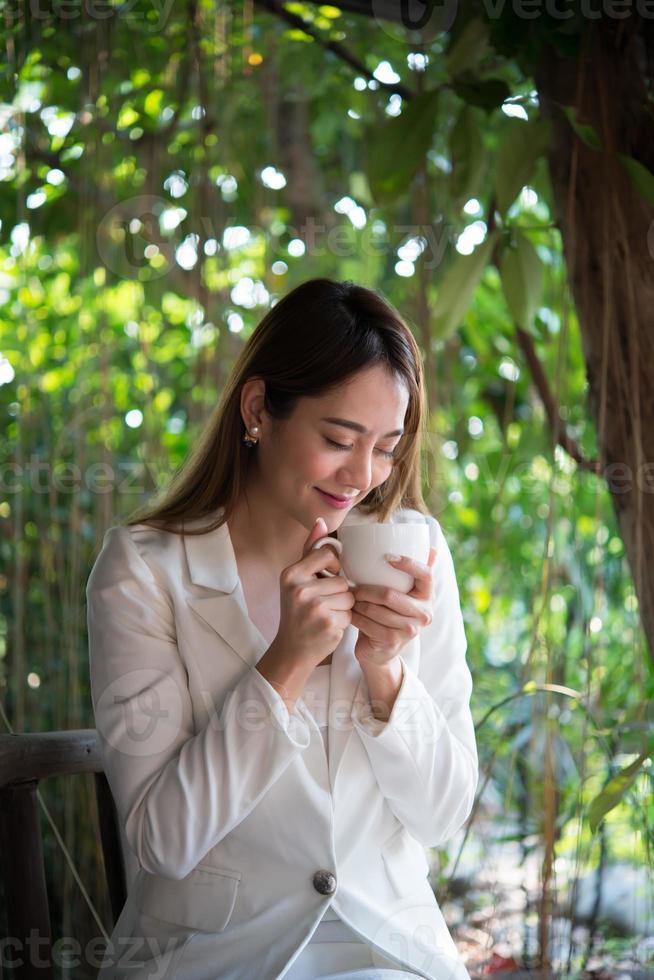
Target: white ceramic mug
{"x":361,"y":548}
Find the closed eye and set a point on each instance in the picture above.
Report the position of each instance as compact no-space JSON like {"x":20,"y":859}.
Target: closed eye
{"x":338,"y":445}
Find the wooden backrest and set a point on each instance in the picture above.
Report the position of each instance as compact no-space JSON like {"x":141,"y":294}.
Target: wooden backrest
{"x":25,"y":760}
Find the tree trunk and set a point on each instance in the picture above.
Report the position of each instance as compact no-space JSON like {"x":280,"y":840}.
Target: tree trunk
{"x":608,"y":239}
{"x":304,"y":182}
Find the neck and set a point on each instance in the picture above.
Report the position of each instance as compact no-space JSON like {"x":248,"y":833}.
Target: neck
{"x":258,"y":528}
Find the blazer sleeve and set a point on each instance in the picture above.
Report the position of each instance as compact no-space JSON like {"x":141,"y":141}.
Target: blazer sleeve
{"x":424,"y":755}
{"x":178,"y":792}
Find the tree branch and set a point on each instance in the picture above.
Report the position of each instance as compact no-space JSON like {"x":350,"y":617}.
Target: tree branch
{"x":341,"y":52}
{"x":539,"y":378}
{"x":551,"y":408}
{"x":556,"y":422}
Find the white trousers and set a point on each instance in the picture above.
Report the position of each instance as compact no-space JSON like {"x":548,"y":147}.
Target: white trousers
{"x":336,"y":952}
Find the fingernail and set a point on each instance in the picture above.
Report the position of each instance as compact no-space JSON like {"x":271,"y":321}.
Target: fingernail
{"x":391,"y":557}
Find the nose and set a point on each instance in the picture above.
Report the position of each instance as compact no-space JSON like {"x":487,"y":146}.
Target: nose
{"x":356,"y":471}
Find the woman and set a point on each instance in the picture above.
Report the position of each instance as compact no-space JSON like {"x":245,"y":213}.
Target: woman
{"x":282,"y":747}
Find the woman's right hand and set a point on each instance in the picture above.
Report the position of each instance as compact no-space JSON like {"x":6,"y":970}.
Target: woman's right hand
{"x":314,"y":612}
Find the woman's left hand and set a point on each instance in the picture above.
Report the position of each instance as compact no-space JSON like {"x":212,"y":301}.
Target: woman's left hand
{"x":388,"y":619}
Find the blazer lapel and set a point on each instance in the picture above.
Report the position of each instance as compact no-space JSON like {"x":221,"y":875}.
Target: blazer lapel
{"x":212,"y":567}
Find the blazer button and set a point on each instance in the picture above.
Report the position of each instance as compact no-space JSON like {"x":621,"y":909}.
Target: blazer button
{"x":324,"y":882}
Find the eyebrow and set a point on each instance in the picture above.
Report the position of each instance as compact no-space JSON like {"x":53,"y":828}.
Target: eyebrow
{"x":358,"y":427}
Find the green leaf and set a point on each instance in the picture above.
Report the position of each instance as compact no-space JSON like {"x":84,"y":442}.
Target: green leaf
{"x":396,"y":148}
{"x":152,"y":102}
{"x":295,"y":34}
{"x":614,"y":791}
{"x":521,"y":145}
{"x":140,"y":76}
{"x":521,"y":271}
{"x":458,"y":286}
{"x":468,"y":49}
{"x":586,"y":133}
{"x":641,"y":178}
{"x":487,"y":93}
{"x":467,"y":155}
{"x":127,"y":117}
{"x":360,"y":189}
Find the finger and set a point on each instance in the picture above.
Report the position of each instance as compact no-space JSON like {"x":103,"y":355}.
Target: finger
{"x":422,"y":574}
{"x":382,"y":595}
{"x":336,"y":585}
{"x":370,"y":628}
{"x":386,"y":636}
{"x":404,"y":609}
{"x":384,"y":616}
{"x":316,"y":561}
{"x":319,"y":530}
{"x":411,"y":565}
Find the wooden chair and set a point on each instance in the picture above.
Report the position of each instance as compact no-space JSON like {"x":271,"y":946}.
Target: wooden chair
{"x":25,"y":759}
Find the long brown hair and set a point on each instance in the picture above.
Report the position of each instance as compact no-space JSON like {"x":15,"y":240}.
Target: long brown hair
{"x":314,"y":339}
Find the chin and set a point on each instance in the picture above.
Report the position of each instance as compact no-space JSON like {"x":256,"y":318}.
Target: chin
{"x":333,"y":521}
{"x":337,"y":521}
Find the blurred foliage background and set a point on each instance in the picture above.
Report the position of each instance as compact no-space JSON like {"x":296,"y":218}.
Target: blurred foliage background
{"x":166,"y":173}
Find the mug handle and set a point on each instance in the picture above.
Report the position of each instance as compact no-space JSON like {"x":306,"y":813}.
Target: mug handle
{"x":338,"y":547}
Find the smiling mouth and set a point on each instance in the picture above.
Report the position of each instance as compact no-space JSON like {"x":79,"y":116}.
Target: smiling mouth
{"x":336,"y":496}
{"x":340,"y":502}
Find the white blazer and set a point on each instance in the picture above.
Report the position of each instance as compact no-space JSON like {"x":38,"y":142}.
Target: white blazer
{"x":243,"y":832}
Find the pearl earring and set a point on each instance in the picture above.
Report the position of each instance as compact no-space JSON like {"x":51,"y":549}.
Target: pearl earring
{"x":249,"y":442}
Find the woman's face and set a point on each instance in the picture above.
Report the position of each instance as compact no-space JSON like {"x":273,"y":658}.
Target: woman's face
{"x":302,"y":456}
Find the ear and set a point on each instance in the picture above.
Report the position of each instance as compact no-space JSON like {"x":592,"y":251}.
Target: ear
{"x":253,"y":395}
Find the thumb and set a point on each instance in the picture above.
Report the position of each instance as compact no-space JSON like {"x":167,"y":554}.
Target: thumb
{"x":319,"y":530}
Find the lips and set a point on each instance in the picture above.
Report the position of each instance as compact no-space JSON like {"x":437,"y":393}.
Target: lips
{"x":336,"y":496}
{"x":335,"y":501}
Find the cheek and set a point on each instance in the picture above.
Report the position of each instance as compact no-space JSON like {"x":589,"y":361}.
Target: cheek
{"x":327,"y":464}
{"x":325,"y":467}
{"x":310,"y":463}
